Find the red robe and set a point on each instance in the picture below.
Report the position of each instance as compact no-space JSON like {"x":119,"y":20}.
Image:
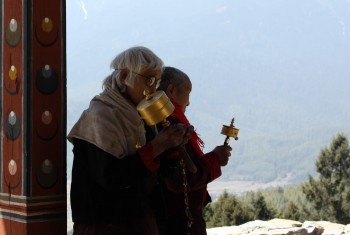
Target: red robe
{"x":170,"y":170}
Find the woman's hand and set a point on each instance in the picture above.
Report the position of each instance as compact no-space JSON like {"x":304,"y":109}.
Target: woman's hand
{"x":170,"y":137}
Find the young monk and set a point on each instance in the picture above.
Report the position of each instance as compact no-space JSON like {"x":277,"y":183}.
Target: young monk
{"x":185,"y":193}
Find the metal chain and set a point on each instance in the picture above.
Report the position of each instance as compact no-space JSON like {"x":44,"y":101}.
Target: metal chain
{"x":186,"y":201}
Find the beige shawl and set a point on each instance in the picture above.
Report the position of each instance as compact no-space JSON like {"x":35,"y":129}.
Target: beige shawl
{"x":112,"y":123}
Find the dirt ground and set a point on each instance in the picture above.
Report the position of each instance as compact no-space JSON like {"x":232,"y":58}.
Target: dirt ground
{"x":217,"y":187}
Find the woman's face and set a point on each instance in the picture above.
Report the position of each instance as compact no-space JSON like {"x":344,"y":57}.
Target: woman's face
{"x":142,"y":83}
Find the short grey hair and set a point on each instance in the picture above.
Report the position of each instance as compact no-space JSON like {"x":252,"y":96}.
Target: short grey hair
{"x":171,"y":75}
{"x":135,"y":59}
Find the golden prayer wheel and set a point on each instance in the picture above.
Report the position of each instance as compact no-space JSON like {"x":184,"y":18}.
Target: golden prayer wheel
{"x":229,"y":131}
{"x":154,"y":109}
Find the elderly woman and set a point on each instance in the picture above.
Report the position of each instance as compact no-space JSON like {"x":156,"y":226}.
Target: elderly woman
{"x":116,"y":155}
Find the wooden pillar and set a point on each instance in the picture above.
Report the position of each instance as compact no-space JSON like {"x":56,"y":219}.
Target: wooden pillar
{"x":33,"y":117}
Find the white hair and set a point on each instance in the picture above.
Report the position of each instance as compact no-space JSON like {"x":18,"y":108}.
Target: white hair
{"x":134,"y":59}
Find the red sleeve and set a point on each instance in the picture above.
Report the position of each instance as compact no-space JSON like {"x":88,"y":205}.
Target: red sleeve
{"x":146,"y":155}
{"x":212,"y":163}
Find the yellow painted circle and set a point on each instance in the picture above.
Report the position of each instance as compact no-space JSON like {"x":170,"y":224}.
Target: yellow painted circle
{"x":13,"y":73}
{"x":47,"y":25}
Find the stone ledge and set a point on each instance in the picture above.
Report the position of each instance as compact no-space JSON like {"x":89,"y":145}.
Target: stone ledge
{"x":282,"y":227}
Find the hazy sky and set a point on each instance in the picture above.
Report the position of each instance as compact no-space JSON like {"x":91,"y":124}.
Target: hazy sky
{"x":281,"y":67}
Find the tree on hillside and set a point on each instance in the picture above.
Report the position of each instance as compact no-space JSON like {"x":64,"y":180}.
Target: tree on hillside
{"x":330,"y":193}
{"x":261,"y":210}
{"x":292,"y":212}
{"x":228,"y":210}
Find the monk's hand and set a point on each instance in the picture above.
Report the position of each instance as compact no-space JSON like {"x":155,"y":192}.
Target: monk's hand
{"x":223,"y":153}
{"x":188,"y":134}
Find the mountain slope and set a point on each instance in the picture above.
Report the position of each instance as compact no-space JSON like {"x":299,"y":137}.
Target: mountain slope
{"x":281,"y":68}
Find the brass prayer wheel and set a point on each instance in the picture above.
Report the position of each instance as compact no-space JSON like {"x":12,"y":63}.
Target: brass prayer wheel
{"x":229,"y":131}
{"x":155,"y":108}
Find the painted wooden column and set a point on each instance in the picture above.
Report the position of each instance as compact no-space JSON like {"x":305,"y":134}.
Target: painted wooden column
{"x":33,"y":117}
